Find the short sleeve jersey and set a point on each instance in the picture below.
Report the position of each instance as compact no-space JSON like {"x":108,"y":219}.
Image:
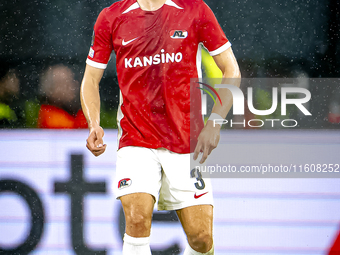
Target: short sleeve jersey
{"x":157,"y":53}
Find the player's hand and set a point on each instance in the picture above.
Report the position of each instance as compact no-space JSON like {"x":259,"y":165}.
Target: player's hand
{"x":95,"y":141}
{"x":207,"y":140}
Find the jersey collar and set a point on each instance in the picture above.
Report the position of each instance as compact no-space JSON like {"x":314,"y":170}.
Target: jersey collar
{"x":136,"y":6}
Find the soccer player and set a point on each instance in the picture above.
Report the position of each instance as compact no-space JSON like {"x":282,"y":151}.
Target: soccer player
{"x":157,"y":45}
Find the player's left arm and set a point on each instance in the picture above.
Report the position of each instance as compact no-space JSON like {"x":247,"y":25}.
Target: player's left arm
{"x":210,"y":134}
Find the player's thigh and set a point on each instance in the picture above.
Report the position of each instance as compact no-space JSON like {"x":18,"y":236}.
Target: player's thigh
{"x":137,"y":171}
{"x":196,"y":220}
{"x":182,"y":186}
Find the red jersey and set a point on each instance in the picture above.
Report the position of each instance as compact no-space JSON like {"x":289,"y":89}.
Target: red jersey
{"x":157,"y":53}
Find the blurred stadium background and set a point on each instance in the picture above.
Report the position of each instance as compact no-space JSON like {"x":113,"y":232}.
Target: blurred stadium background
{"x":271,"y":39}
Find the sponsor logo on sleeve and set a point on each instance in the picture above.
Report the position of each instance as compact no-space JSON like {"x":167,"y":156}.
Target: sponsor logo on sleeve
{"x":92,"y":41}
{"x":91,"y":53}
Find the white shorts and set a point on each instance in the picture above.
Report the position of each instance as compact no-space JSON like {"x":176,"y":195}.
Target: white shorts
{"x":163,"y":174}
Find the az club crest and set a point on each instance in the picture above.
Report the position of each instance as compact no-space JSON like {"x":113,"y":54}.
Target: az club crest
{"x":178,"y":34}
{"x":124,"y":183}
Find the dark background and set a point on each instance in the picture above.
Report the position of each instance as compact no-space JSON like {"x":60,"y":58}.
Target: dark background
{"x":270,"y":38}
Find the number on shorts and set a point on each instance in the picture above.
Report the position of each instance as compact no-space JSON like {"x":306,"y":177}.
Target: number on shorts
{"x":200,"y":182}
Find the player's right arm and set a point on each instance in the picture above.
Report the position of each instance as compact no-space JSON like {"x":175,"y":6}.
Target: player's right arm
{"x":90,"y":102}
{"x":97,"y":59}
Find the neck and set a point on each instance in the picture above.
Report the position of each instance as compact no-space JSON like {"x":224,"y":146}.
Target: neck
{"x":150,"y":5}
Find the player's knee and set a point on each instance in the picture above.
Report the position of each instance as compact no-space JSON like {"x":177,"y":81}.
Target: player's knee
{"x":201,"y":241}
{"x":138,"y":221}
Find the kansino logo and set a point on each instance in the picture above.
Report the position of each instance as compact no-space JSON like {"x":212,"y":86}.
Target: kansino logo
{"x":238,"y":105}
{"x":153,"y":60}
